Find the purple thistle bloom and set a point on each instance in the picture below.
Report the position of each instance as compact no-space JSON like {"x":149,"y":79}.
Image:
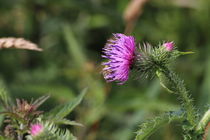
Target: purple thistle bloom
{"x":169,"y":46}
{"x":120,"y":54}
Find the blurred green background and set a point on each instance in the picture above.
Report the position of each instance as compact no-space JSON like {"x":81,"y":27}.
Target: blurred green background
{"x":73,"y":33}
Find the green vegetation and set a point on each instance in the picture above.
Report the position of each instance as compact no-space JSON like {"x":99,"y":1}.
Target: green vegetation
{"x":72,"y":34}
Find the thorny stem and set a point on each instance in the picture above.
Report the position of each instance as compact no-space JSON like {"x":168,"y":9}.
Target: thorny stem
{"x":179,"y":88}
{"x":20,"y":135}
{"x":20,"y":138}
{"x":206,"y":132}
{"x":204,"y":121}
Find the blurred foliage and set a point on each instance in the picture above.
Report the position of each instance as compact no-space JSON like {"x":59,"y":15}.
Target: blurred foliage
{"x":72,"y":34}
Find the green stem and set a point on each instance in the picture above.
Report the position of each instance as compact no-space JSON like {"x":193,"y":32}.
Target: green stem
{"x":19,"y":138}
{"x":20,"y":135}
{"x":203,"y":122}
{"x":179,"y":88}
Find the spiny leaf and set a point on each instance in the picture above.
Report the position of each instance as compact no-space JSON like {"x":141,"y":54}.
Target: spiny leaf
{"x":39,"y":101}
{"x":13,"y":115}
{"x":67,"y":122}
{"x":63,"y":110}
{"x":149,"y":127}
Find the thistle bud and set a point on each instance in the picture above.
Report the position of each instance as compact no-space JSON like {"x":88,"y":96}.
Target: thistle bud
{"x":169,"y":46}
{"x":36,"y":129}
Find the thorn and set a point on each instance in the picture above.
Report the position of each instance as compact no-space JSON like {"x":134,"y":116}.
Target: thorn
{"x":184,"y":53}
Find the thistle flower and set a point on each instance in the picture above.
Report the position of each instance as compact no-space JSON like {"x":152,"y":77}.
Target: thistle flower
{"x":36,"y":129}
{"x":120,"y":52}
{"x":169,"y":46}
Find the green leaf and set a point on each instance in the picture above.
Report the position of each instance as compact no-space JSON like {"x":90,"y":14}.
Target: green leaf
{"x":149,"y":127}
{"x":74,"y":47}
{"x":3,"y":138}
{"x":5,"y":99}
{"x":61,"y":111}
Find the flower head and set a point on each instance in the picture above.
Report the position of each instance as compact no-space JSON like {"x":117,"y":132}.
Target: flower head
{"x":169,"y":46}
{"x":36,"y":129}
{"x":120,"y":52}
